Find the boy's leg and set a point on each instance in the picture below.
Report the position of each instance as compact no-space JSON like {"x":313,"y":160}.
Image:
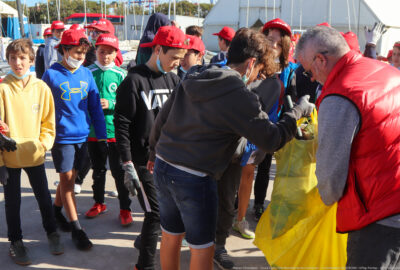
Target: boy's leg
{"x":118,"y":174}
{"x":67,"y":194}
{"x":262,"y":180}
{"x":84,"y":171}
{"x":151,"y":224}
{"x":170,"y":250}
{"x":12,"y":196}
{"x":38,"y":180}
{"x":202,"y":259}
{"x":98,"y":159}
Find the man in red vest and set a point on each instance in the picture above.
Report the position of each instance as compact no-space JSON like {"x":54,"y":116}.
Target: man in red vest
{"x":358,"y":152}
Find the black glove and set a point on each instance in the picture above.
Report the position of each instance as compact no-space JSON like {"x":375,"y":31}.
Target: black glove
{"x":131,"y":179}
{"x":7,"y":143}
{"x":3,"y":175}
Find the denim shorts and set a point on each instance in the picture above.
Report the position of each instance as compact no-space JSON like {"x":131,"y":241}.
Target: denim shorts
{"x":188,"y":204}
{"x":69,"y":156}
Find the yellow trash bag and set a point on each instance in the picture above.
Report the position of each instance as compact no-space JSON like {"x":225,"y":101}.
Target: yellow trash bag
{"x":298,"y":230}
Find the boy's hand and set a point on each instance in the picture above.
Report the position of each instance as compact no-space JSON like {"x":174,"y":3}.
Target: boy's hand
{"x":104,"y":103}
{"x":150,"y":166}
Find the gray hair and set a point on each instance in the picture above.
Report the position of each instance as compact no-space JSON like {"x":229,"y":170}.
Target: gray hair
{"x":323,"y":39}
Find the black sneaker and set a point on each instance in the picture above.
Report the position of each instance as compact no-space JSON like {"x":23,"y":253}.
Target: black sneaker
{"x":19,"y":253}
{"x":222,"y":259}
{"x":62,"y":222}
{"x":81,"y":240}
{"x":258,"y":211}
{"x":55,"y":246}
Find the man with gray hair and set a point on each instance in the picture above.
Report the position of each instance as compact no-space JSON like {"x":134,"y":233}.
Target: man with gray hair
{"x":358,"y":155}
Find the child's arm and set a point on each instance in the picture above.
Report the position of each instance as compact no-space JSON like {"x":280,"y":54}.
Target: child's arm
{"x":48,"y":125}
{"x":95,"y":110}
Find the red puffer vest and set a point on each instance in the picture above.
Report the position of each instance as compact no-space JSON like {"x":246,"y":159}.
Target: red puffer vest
{"x":373,"y":183}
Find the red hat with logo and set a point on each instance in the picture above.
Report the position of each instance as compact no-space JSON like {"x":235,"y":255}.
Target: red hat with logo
{"x":76,"y":26}
{"x":324,"y":24}
{"x":108,"y":40}
{"x":226,"y":33}
{"x":169,"y":36}
{"x":57,"y":25}
{"x":195,"y":43}
{"x":90,"y":25}
{"x":352,"y":41}
{"x":104,"y":25}
{"x":47,"y":32}
{"x":390,"y":53}
{"x":71,"y":37}
{"x":278,"y":23}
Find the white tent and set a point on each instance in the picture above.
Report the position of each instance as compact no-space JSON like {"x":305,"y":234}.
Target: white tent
{"x":344,"y":15}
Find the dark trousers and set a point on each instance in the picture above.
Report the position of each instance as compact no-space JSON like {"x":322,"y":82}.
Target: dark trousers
{"x":83,"y":171}
{"x":374,"y":247}
{"x":12,"y":194}
{"x":228,"y":185}
{"x":262,"y":180}
{"x":151,"y":224}
{"x":99,"y":161}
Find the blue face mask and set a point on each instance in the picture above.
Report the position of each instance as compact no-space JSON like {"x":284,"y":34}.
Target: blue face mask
{"x":159,"y":66}
{"x":182,"y":69}
{"x":245,"y":79}
{"x":19,"y":77}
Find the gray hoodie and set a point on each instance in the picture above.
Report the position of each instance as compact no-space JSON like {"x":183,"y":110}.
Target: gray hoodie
{"x":200,"y":125}
{"x":51,"y":54}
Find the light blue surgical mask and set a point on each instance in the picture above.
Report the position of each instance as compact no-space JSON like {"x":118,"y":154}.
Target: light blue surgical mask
{"x":245,"y":79}
{"x":20,"y":77}
{"x":159,"y":66}
{"x":183,"y":70}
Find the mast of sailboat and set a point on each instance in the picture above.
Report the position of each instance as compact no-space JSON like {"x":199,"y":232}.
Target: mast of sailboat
{"x":20,"y":18}
{"x":169,"y":10}
{"x":48,"y":13}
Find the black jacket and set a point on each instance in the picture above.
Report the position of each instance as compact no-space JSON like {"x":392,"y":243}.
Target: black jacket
{"x":139,"y":98}
{"x":39,"y":62}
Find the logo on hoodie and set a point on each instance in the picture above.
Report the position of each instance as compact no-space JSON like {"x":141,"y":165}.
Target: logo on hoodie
{"x":67,"y":90}
{"x":155,"y":98}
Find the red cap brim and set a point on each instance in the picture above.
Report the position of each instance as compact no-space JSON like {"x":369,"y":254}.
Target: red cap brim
{"x":148,"y":44}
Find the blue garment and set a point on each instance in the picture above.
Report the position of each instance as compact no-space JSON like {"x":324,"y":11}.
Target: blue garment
{"x":76,"y":98}
{"x":219,"y":59}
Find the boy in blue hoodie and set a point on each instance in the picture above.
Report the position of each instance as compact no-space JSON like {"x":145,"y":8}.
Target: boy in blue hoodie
{"x":76,"y":97}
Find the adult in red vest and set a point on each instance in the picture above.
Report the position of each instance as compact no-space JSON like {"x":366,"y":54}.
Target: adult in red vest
{"x":358,"y":155}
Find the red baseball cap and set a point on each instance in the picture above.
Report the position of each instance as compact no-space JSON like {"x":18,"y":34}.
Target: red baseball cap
{"x":352,"y":41}
{"x":47,"y":32}
{"x":76,"y":26}
{"x":226,"y":33}
{"x":397,"y":45}
{"x":104,"y":25}
{"x":57,"y":25}
{"x":169,"y":36}
{"x":90,"y":25}
{"x":71,"y":37}
{"x":278,"y":23}
{"x":109,"y":40}
{"x":324,"y":24}
{"x":195,"y":43}
{"x":390,"y":53}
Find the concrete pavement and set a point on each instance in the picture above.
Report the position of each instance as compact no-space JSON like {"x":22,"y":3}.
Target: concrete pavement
{"x":113,"y":244}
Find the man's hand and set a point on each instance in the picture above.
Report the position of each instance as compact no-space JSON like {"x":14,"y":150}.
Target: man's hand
{"x":150,"y":166}
{"x":305,"y":106}
{"x":131,"y":179}
{"x":3,"y":175}
{"x":104,"y":103}
{"x":7,"y":144}
{"x":373,"y":35}
{"x":4,"y":128}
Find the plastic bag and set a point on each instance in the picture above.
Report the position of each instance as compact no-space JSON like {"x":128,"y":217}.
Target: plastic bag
{"x":298,"y":229}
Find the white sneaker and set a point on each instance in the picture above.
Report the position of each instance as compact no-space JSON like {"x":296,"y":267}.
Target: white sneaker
{"x":243,"y":228}
{"x":113,"y":193}
{"x":77,"y":188}
{"x":56,"y":183}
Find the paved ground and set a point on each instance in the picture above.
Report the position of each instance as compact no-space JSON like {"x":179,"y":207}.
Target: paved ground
{"x":113,"y":244}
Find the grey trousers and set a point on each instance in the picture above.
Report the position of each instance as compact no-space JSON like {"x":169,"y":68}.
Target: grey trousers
{"x":228,"y":185}
{"x":374,"y":247}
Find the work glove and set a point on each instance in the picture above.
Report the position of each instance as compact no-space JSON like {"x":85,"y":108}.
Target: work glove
{"x":7,"y":144}
{"x":131,"y":179}
{"x":305,"y":106}
{"x":373,"y":35}
{"x":3,"y":175}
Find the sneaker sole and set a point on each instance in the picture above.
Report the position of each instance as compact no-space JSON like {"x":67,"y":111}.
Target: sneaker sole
{"x":243,"y":235}
{"x":20,"y":263}
{"x":57,"y":253}
{"x":220,"y":266}
{"x":102,"y":212}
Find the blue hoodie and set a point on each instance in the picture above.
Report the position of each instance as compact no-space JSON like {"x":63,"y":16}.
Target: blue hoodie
{"x":76,"y":98}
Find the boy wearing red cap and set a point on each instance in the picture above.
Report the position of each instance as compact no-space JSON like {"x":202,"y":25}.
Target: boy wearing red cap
{"x":225,"y":37}
{"x":139,"y":98}
{"x":39,"y":60}
{"x":76,"y":99}
{"x":107,"y":77}
{"x":194,"y":55}
{"x":50,"y":53}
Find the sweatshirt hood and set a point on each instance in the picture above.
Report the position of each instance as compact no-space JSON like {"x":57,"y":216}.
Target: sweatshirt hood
{"x":207,"y":83}
{"x":13,"y":82}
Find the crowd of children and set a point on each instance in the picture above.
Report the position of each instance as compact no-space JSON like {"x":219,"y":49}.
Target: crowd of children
{"x":166,"y":137}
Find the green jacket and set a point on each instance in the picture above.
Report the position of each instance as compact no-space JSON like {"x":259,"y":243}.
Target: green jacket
{"x":107,"y":82}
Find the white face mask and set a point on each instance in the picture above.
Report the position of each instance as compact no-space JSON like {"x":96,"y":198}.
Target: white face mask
{"x":73,"y":63}
{"x":104,"y":68}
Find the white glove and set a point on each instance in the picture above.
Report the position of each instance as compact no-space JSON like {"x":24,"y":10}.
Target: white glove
{"x":131,"y":179}
{"x":373,"y":35}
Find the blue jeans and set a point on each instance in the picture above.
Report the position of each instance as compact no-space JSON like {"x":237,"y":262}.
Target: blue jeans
{"x":188,"y":204}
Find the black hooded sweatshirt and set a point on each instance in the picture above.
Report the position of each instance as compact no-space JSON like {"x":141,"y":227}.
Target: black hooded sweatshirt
{"x":139,"y":98}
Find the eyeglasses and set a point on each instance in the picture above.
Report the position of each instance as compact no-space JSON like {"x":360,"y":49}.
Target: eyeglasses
{"x":308,"y":73}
